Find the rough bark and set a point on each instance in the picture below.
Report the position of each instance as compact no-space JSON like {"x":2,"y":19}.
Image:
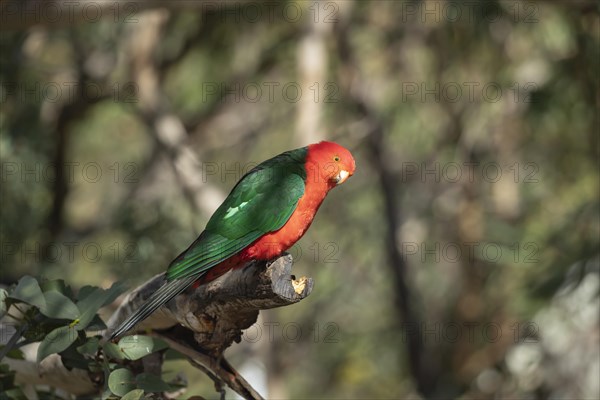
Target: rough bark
{"x":217,"y":312}
{"x":199,"y":323}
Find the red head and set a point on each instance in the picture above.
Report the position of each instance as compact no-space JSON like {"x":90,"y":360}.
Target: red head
{"x":331,"y":162}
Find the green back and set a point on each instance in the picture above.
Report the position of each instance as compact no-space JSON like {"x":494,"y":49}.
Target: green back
{"x":261,"y":202}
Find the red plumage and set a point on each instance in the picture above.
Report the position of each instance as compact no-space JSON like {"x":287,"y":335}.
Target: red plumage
{"x":324,"y":163}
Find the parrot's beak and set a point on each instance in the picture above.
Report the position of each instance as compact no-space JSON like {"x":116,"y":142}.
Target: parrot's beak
{"x":341,"y":177}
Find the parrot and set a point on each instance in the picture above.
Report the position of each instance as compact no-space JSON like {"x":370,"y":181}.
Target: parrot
{"x":267,"y":211}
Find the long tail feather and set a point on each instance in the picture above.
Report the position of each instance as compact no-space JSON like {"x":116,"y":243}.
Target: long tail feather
{"x":156,"y":300}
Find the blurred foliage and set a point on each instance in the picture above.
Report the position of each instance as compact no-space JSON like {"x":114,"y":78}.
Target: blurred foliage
{"x":48,"y":312}
{"x":504,"y":94}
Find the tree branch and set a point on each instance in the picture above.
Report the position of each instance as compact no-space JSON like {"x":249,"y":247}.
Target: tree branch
{"x":201,"y":323}
{"x":218,"y":311}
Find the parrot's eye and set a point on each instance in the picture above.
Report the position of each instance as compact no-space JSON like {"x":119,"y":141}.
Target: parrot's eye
{"x":336,"y":159}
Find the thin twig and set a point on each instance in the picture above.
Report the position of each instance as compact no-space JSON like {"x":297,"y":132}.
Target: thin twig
{"x":219,"y":366}
{"x":219,"y":384}
{"x":13,"y":340}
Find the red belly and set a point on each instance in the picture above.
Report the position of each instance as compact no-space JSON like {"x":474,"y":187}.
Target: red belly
{"x":273,"y":244}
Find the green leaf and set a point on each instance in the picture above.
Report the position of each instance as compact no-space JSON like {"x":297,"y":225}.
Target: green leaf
{"x":15,"y":353}
{"x":151,"y":383}
{"x":57,"y":285}
{"x":95,"y":367}
{"x":71,"y":358}
{"x":7,"y":377}
{"x":89,"y":306}
{"x":36,"y":332}
{"x":138,"y":346}
{"x":14,"y":394}
{"x":135,"y":394}
{"x":3,"y":306}
{"x":106,"y":394}
{"x":121,"y":381}
{"x":113,"y":292}
{"x":85,"y":291}
{"x":90,"y":347}
{"x":96,"y":325}
{"x":93,"y":300}
{"x":28,"y":291}
{"x":59,"y":306}
{"x":56,"y":341}
{"x":112,"y":351}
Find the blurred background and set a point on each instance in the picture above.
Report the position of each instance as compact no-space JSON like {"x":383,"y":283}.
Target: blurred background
{"x":461,"y":260}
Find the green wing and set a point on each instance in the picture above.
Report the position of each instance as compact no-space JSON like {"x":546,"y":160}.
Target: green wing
{"x":261,"y":202}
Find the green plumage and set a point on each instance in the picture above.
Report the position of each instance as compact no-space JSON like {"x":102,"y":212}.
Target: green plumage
{"x":261,"y":202}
